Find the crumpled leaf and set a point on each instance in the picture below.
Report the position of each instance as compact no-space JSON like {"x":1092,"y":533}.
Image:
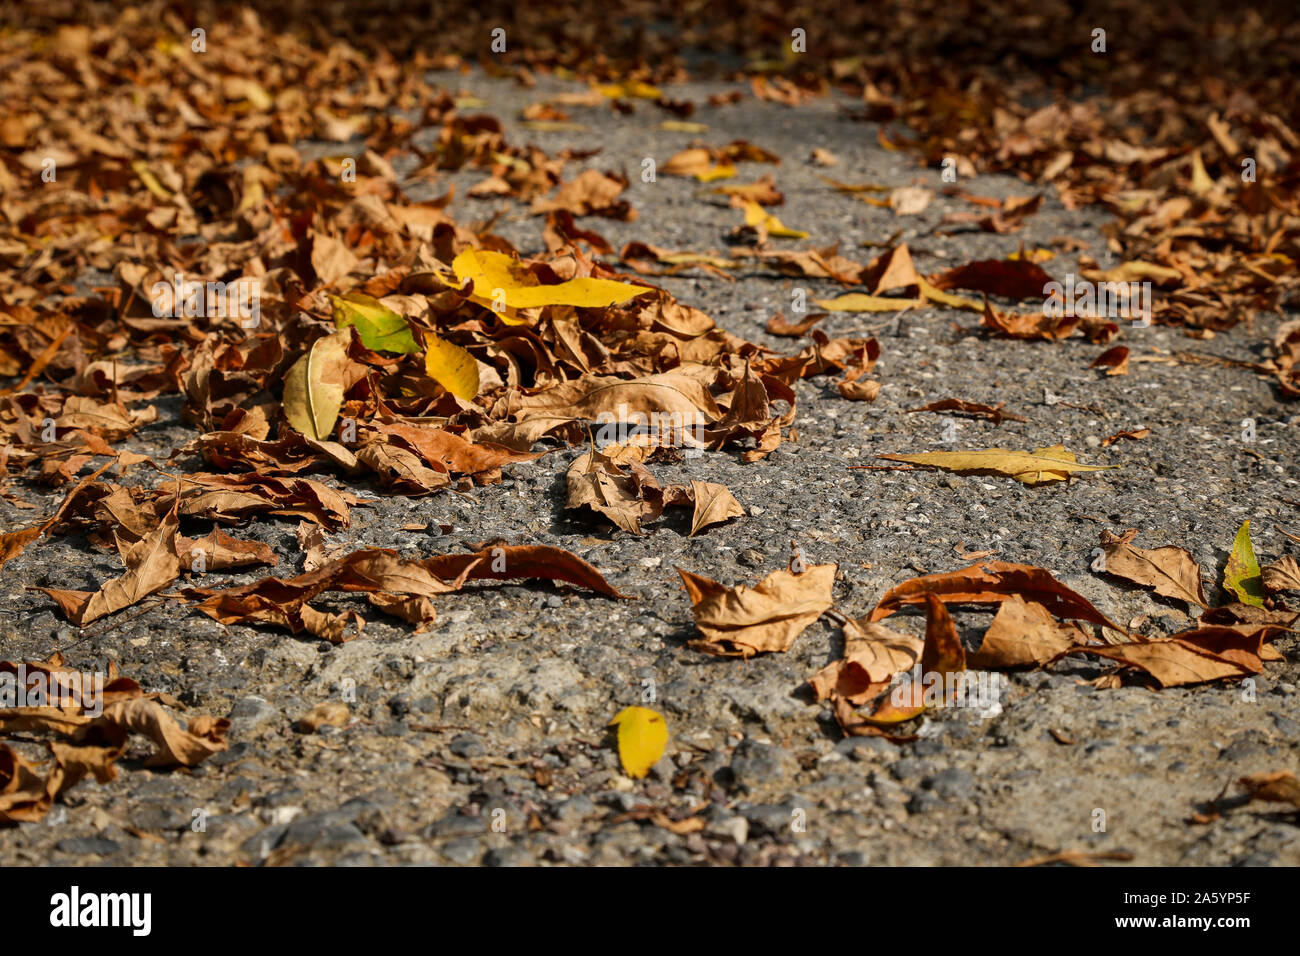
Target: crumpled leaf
{"x":873,"y":654}
{"x":1277,"y":787}
{"x":1282,"y":575}
{"x":1041,"y":466}
{"x":942,"y":655}
{"x":1025,"y":634}
{"x":642,"y":737}
{"x":1242,"y":575}
{"x":993,"y":582}
{"x":154,"y":565}
{"x":743,"y":621}
{"x":1195,"y":656}
{"x":1170,"y":570}
{"x":231,"y":498}
{"x":1010,"y":278}
{"x":592,"y":193}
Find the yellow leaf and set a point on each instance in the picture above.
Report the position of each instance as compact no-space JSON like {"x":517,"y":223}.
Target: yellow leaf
{"x":642,"y":736}
{"x":150,"y":181}
{"x":681,"y":126}
{"x":948,"y":299}
{"x":761,"y":219}
{"x":631,"y":89}
{"x":860,"y":302}
{"x":498,"y":278}
{"x":451,"y":367}
{"x":1033,"y":255}
{"x":313,"y":386}
{"x":1201,"y":181}
{"x":1038,"y":467}
{"x":713,"y":173}
{"x":1242,"y":575}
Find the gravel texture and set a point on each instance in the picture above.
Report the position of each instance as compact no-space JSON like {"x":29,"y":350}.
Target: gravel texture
{"x":483,"y":740}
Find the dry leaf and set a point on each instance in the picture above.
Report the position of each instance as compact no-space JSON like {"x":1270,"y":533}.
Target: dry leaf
{"x":743,"y":621}
{"x":1171,"y":571}
{"x":1041,"y":466}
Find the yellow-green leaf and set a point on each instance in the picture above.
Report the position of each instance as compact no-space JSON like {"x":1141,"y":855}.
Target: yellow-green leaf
{"x":642,"y":737}
{"x":860,"y":302}
{"x":760,"y":218}
{"x":498,"y":278}
{"x":380,"y":328}
{"x":948,"y":299}
{"x":451,"y":367}
{"x":681,"y":126}
{"x":1242,"y":576}
{"x":1038,"y":467}
{"x":313,"y":386}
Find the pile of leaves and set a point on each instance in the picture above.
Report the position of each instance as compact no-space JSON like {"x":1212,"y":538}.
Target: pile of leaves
{"x":341,"y":328}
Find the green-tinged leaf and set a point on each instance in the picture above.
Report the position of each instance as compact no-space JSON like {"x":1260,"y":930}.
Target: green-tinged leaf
{"x":1242,"y":575}
{"x":379,"y":327}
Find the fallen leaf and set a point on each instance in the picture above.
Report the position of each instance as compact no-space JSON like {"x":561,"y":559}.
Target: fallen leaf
{"x":1241,"y":575}
{"x":1277,"y":787}
{"x":1170,"y":571}
{"x":155,"y":565}
{"x":993,"y":582}
{"x":642,"y":737}
{"x":1041,"y":466}
{"x":743,"y":621}
{"x":1024,"y":634}
{"x":451,"y":367}
{"x":1282,"y":575}
{"x":314,"y":386}
{"x":496,"y":275}
{"x":379,"y":328}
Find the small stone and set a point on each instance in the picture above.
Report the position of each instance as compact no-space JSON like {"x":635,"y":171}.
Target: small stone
{"x":730,"y":829}
{"x":467,"y":746}
{"x":953,"y":783}
{"x":463,"y":851}
{"x":84,"y":846}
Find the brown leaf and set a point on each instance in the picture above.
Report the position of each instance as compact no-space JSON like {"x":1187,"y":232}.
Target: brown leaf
{"x":1010,"y":278}
{"x":873,"y":654}
{"x":714,"y":503}
{"x":993,"y":413}
{"x":1191,"y":657}
{"x":156,"y":564}
{"x":743,"y":621}
{"x":1282,"y":575}
{"x":1171,"y":571}
{"x":511,"y":561}
{"x":1277,"y":787}
{"x":993,"y":582}
{"x":1024,"y":634}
